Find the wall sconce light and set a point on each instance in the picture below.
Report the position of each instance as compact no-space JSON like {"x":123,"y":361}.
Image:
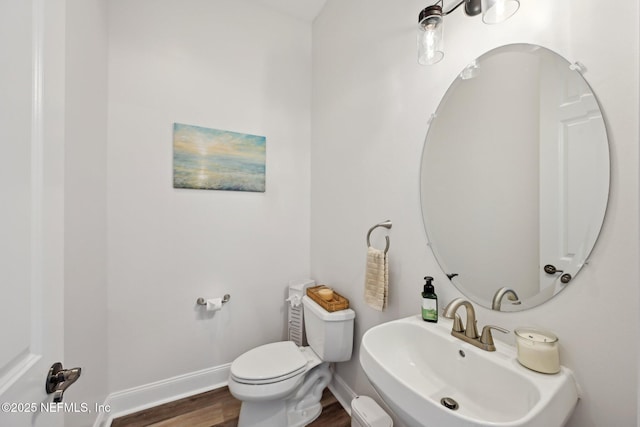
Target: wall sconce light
{"x":431,"y":23}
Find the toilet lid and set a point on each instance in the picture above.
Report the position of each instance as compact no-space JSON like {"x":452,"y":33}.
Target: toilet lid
{"x":269,"y":362}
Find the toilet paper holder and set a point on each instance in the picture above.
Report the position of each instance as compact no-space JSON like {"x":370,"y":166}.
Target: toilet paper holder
{"x":202,"y":301}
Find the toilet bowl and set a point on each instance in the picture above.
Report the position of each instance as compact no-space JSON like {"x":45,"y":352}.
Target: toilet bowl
{"x":281,"y":384}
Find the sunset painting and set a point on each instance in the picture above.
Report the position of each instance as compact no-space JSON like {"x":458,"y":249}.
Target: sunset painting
{"x":213,"y":159}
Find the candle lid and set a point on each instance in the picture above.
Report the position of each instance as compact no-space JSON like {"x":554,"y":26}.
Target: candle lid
{"x":536,"y":335}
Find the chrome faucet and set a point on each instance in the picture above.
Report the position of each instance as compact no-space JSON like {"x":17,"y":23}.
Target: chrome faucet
{"x":500,"y":294}
{"x":470,"y":332}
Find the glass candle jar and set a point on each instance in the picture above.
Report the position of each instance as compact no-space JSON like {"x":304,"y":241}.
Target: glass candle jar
{"x":538,"y":350}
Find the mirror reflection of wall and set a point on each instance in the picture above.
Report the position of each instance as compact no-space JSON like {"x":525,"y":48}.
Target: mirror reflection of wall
{"x":515,"y":175}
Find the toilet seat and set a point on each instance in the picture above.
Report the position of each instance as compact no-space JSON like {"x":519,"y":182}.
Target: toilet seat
{"x":269,"y":363}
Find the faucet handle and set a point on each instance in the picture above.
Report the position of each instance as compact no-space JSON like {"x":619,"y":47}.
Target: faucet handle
{"x":487,"y":338}
{"x":457,"y":323}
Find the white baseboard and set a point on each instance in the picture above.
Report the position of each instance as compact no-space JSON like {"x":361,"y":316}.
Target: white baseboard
{"x":342,"y":391}
{"x":146,"y":396}
{"x":138,"y":398}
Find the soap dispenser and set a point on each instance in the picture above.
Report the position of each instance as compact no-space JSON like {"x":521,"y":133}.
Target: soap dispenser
{"x":429,"y":301}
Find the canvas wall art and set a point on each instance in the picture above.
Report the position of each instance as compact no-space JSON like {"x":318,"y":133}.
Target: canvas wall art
{"x":213,"y":159}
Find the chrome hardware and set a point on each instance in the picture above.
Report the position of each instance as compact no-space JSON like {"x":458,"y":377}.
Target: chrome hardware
{"x":510,"y":294}
{"x":202,"y":301}
{"x":386,"y":224}
{"x":551,"y":269}
{"x":59,"y":379}
{"x":470,"y":332}
{"x":449,"y":403}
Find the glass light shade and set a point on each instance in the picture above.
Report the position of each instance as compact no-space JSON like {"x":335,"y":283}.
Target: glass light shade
{"x":496,"y":11}
{"x":430,"y":32}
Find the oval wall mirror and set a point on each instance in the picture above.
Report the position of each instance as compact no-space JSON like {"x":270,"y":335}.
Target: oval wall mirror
{"x":515,"y":177}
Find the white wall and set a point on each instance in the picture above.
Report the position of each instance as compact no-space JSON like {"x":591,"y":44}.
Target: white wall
{"x":223,"y":64}
{"x":85,"y":189}
{"x":371,"y":102}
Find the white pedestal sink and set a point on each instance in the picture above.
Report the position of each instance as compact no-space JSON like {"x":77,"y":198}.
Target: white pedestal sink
{"x":415,"y":364}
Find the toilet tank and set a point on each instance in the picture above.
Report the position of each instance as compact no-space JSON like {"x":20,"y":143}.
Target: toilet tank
{"x":330,"y":334}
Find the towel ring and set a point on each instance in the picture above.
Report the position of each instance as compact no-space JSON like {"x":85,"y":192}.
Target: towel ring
{"x":386,"y":224}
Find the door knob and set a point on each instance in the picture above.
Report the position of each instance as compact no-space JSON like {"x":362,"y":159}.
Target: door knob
{"x":551,"y":269}
{"x":59,"y":379}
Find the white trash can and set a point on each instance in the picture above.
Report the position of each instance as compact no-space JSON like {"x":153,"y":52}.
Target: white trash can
{"x":365,"y":412}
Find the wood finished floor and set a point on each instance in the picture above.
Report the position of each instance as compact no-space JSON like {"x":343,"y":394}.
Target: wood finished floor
{"x":218,"y":408}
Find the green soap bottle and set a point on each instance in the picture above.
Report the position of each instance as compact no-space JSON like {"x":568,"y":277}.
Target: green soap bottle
{"x":429,"y":301}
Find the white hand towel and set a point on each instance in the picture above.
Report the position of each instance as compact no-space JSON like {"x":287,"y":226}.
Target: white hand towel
{"x":376,"y":284}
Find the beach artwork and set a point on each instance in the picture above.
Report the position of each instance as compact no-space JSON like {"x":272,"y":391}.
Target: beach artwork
{"x":213,"y":159}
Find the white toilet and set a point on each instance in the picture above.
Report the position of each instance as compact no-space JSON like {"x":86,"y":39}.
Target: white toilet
{"x":280,"y":384}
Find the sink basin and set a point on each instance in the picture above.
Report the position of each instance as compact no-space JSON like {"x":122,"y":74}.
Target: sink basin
{"x":414,"y":365}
